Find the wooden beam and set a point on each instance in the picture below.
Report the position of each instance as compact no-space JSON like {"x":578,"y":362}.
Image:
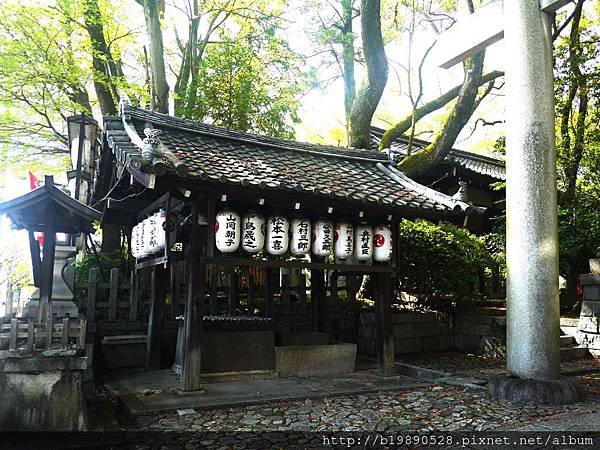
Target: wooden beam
{"x":551,"y":6}
{"x":36,"y":263}
{"x":47,"y":270}
{"x":383,"y":323}
{"x":192,"y":351}
{"x":470,"y":35}
{"x":158,"y":295}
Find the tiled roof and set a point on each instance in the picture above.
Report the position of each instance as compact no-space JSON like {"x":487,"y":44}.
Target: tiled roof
{"x":471,"y":162}
{"x":219,"y":155}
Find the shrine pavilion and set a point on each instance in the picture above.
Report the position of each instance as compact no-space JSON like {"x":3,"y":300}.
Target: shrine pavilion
{"x":289,"y":220}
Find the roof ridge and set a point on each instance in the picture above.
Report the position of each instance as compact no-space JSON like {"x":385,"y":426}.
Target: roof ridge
{"x":442,"y":198}
{"x":404,"y":139}
{"x":257,"y":139}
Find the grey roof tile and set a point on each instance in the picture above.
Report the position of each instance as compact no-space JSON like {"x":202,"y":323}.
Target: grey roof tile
{"x":232,"y":157}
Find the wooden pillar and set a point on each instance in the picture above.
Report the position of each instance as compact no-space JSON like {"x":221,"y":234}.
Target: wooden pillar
{"x":302,"y":293}
{"x":268,"y":292}
{"x":251,"y":294}
{"x":333,"y":287}
{"x":158,"y":295}
{"x":317,"y":296}
{"x":351,"y":282}
{"x":213,"y":290}
{"x":233,"y":297}
{"x":47,"y":272}
{"x":383,"y":323}
{"x":190,"y":374}
{"x":285,"y":294}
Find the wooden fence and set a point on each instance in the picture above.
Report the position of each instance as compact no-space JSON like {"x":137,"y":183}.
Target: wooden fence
{"x":25,"y":337}
{"x":113,"y":301}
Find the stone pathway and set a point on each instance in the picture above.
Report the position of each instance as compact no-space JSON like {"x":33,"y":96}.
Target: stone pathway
{"x":427,"y":409}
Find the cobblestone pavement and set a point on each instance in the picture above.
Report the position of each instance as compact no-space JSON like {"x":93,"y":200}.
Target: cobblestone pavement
{"x":428,"y":409}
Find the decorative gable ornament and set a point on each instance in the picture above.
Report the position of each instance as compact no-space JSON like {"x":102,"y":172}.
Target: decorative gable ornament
{"x":277,"y":235}
{"x":227,"y":231}
{"x":253,"y":232}
{"x":301,"y":236}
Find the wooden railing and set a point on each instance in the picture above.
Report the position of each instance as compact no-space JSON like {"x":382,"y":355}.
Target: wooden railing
{"x":24,"y":336}
{"x":108,"y":304}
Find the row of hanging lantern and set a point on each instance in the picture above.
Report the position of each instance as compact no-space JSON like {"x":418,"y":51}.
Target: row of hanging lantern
{"x":149,"y":236}
{"x":278,"y":235}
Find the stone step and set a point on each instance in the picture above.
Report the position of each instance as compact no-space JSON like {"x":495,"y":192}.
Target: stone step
{"x":571,"y":353}
{"x":567,"y":340}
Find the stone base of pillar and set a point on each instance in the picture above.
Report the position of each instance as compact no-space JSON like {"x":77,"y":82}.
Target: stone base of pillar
{"x":517,"y":390}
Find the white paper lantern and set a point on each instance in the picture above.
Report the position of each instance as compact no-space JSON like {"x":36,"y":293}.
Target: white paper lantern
{"x":151,"y":245}
{"x":144,"y":235}
{"x":301,"y":236}
{"x":363,"y":243}
{"x":382,"y":242}
{"x":323,"y":237}
{"x":161,"y":226}
{"x":277,"y":235}
{"x":253,"y":232}
{"x":343,"y":237}
{"x":133,"y":241}
{"x":227,"y":231}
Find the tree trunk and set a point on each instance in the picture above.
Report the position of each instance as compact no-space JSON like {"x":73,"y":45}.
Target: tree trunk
{"x":577,"y":89}
{"x":434,"y":153}
{"x":405,"y":124}
{"x":152,"y":12}
{"x":100,"y":55}
{"x":348,"y":60}
{"x":374,"y":82}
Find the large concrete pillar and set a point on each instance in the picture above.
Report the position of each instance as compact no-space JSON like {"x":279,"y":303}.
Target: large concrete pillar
{"x":533,"y":316}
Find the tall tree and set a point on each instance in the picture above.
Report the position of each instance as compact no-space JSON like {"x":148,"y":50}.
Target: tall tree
{"x":372,"y":86}
{"x":466,"y":103}
{"x":153,"y":11}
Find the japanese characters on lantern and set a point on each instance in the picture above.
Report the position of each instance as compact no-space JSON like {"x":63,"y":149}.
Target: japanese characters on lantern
{"x":382,"y":242}
{"x":277,"y":235}
{"x":343,"y":237}
{"x":253,"y":232}
{"x":227,"y":231}
{"x":301,"y":236}
{"x":143,"y":238}
{"x":363,"y":243}
{"x":133,"y":241}
{"x":152,"y":235}
{"x":161,"y":226}
{"x":323,"y":237}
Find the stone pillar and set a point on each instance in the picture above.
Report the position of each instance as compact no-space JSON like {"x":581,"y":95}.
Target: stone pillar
{"x":588,"y":330}
{"x":533,"y":315}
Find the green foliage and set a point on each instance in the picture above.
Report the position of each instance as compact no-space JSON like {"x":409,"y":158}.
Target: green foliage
{"x":247,"y":85}
{"x":578,"y":235}
{"x":104,"y":262}
{"x":440,"y":261}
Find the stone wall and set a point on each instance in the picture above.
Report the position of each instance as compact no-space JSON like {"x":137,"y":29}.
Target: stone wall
{"x":413,"y":333}
{"x":41,"y":394}
{"x":480,"y":334}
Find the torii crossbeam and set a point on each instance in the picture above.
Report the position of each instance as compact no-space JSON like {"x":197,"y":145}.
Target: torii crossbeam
{"x":533,"y":316}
